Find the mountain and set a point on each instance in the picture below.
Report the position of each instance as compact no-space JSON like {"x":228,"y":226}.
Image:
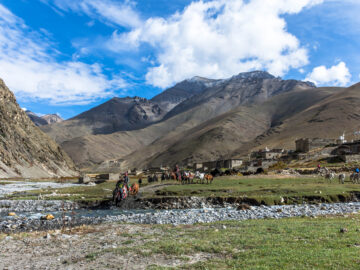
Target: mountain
{"x":43,"y":120}
{"x":220,"y":97}
{"x":37,"y":120}
{"x":232,"y":133}
{"x":173,"y":96}
{"x":126,"y":114}
{"x":117,"y":114}
{"x":328,"y":118}
{"x":25,"y":151}
{"x":52,"y":118}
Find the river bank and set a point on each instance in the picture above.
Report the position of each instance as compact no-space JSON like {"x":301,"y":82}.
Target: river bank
{"x":70,"y":215}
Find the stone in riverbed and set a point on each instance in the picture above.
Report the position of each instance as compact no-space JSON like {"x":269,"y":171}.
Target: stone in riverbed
{"x":47,"y":217}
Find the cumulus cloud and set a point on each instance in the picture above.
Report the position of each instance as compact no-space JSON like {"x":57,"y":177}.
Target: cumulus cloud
{"x":219,"y":38}
{"x":108,"y":11}
{"x":29,"y":67}
{"x":336,"y":75}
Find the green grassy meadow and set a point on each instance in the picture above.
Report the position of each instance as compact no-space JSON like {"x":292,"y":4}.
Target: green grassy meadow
{"x":294,"y":243}
{"x":264,"y":190}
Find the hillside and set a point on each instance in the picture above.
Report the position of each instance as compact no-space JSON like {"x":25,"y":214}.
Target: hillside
{"x":220,"y":136}
{"x":25,"y":151}
{"x":222,"y":97}
{"x":328,"y":118}
{"x":126,"y":114}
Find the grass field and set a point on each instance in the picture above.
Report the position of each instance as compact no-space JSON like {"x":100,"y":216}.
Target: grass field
{"x":292,"y":243}
{"x":266,"y":190}
{"x":297,"y":243}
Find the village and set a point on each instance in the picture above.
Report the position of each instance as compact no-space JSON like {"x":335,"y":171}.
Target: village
{"x":307,"y":150}
{"x":314,"y":149}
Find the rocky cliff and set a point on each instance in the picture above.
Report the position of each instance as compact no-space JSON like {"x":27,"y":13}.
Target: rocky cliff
{"x":25,"y":151}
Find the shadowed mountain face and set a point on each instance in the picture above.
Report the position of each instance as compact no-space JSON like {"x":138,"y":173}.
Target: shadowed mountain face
{"x":126,"y":114}
{"x":44,"y":120}
{"x":25,"y":151}
{"x":182,"y":91}
{"x":221,"y":97}
{"x":37,"y":120}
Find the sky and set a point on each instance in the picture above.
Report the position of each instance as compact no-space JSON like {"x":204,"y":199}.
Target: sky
{"x":66,"y":56}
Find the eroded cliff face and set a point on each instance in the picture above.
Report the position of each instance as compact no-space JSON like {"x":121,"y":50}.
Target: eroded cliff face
{"x":25,"y":151}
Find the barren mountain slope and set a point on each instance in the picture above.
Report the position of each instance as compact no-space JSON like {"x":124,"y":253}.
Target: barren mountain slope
{"x":25,"y":151}
{"x":126,"y":114}
{"x":117,"y":114}
{"x":218,"y":137}
{"x":173,"y":96}
{"x":246,"y":88}
{"x":37,"y":120}
{"x":329,"y":118}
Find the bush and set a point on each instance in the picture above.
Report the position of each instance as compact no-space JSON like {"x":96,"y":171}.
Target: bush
{"x":280,"y":165}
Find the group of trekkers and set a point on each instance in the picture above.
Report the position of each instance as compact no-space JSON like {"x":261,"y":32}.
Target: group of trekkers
{"x":356,"y":170}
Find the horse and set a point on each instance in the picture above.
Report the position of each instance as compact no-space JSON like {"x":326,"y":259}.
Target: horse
{"x":134,"y":189}
{"x":120,"y":193}
{"x":173,"y":176}
{"x":209,"y":178}
{"x":342,"y":178}
{"x":189,"y":177}
{"x":329,"y":176}
{"x":200,"y":177}
{"x":150,"y":179}
{"x":355,"y":178}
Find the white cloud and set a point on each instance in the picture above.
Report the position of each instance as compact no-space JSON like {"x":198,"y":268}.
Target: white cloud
{"x":28,"y":66}
{"x":219,"y":38}
{"x":336,"y":75}
{"x":108,"y":11}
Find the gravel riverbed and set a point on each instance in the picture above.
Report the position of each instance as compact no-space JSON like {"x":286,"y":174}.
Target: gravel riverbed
{"x":69,"y":215}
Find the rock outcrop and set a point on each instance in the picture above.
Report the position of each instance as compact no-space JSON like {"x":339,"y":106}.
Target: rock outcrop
{"x":25,"y":151}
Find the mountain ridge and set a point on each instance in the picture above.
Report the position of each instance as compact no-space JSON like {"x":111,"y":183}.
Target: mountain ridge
{"x":222,"y":97}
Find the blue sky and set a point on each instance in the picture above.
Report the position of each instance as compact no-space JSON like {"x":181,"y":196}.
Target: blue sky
{"x":66,"y":56}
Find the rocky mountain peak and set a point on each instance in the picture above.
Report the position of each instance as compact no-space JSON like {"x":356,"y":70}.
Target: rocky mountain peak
{"x":52,"y":118}
{"x":254,"y":75}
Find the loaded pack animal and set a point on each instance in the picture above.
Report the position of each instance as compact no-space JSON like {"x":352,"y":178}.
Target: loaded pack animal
{"x":173,"y":176}
{"x":209,"y":178}
{"x":187,"y":177}
{"x":342,"y":177}
{"x":330,"y":176}
{"x":200,"y":177}
{"x":152,"y":178}
{"x":355,"y":178}
{"x":327,"y":174}
{"x":122,"y":191}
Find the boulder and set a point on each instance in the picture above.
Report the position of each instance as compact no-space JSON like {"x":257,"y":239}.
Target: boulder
{"x":47,"y":217}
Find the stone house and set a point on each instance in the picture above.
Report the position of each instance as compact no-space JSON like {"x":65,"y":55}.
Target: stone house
{"x":305,"y":145}
{"x":218,"y":164}
{"x":268,"y":154}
